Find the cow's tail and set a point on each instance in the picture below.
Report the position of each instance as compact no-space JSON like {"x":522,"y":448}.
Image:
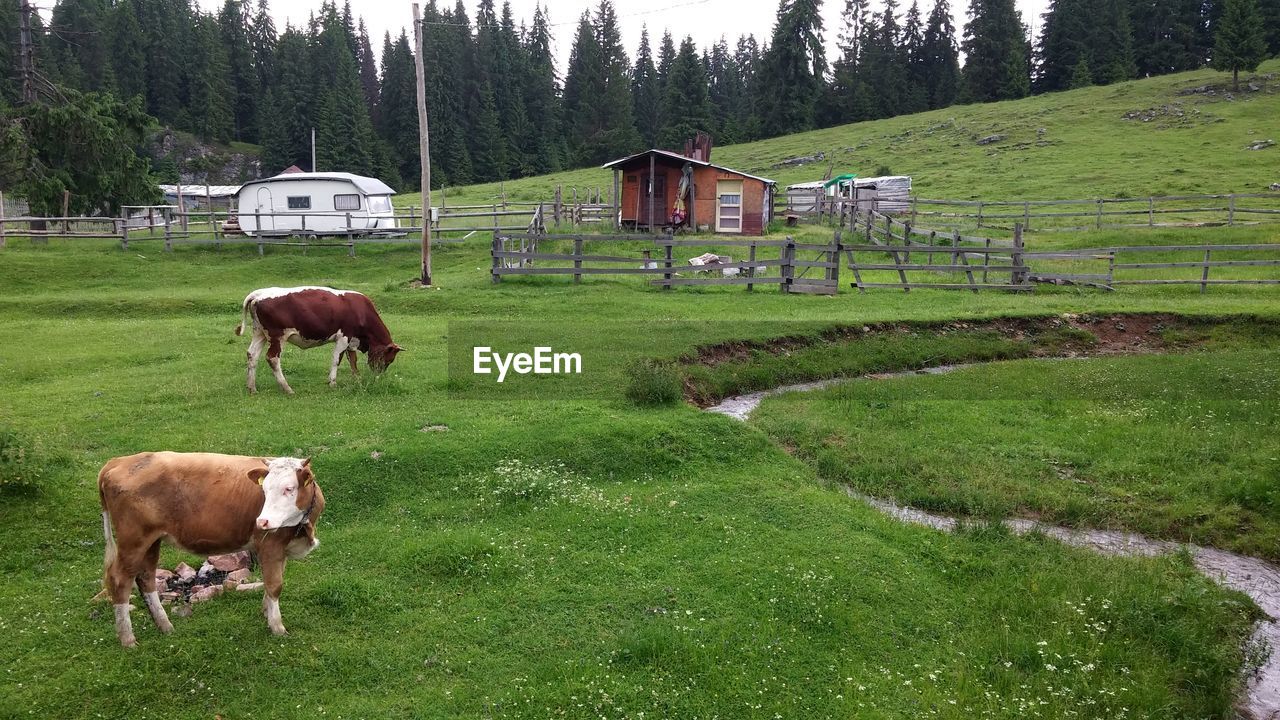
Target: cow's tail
{"x":109,"y":538}
{"x":246,"y":317}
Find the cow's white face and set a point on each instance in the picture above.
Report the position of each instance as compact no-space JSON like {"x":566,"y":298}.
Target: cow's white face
{"x":282,"y":486}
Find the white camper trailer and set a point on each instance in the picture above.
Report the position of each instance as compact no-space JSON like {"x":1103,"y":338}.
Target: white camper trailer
{"x":321,"y":203}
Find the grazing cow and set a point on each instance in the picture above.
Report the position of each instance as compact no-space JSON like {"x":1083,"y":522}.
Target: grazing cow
{"x":309,"y":317}
{"x":203,"y":503}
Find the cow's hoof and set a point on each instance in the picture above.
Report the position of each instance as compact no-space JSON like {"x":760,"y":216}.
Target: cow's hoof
{"x":129,"y":641}
{"x":279,"y":631}
{"x":333,"y":385}
{"x":166,"y":628}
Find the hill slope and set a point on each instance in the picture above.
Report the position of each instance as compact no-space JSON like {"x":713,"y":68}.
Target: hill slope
{"x":1183,"y":133}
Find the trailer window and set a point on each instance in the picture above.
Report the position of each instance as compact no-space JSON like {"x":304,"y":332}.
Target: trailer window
{"x":299,"y":202}
{"x":379,"y":203}
{"x":346,"y":202}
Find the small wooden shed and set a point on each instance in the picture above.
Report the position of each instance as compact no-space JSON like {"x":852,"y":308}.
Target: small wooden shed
{"x":658,"y":188}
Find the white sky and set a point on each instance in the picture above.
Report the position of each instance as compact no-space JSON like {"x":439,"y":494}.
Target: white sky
{"x":705,"y":20}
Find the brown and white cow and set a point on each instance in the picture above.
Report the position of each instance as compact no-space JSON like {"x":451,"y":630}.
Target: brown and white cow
{"x":308,"y":317}
{"x":203,"y":503}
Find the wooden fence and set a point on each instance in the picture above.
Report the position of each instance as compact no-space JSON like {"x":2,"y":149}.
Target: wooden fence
{"x":768,"y":262}
{"x":996,"y":264}
{"x":175,"y":227}
{"x":1100,"y":213}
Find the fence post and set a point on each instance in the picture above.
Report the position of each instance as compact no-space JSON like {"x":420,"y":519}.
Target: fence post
{"x":788,"y":266}
{"x":833,"y":257}
{"x":1099,"y":213}
{"x":2,"y":240}
{"x":351,"y":238}
{"x":1111,"y":268}
{"x":667,"y":263}
{"x":66,"y":210}
{"x":124,"y":229}
{"x":257,"y":225}
{"x":979,"y":213}
{"x":1231,"y":209}
{"x":555,"y":209}
{"x":1026,"y":215}
{"x":1151,"y":212}
{"x":1019,"y":272}
{"x":497,"y":261}
{"x":906,"y":240}
{"x":168,"y":235}
{"x":751,"y":270}
{"x":577,"y":260}
{"x":1204,"y":276}
{"x":413,"y":217}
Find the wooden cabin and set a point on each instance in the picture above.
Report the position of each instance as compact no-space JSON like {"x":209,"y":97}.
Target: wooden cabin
{"x":715,"y":198}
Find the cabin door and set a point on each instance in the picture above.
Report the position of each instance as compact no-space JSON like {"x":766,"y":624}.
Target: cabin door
{"x":265,"y":221}
{"x":729,"y":206}
{"x":660,"y":214}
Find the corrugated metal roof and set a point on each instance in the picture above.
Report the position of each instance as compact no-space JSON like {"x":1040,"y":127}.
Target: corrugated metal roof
{"x":685,"y":158}
{"x":218,"y":191}
{"x":366,"y":185}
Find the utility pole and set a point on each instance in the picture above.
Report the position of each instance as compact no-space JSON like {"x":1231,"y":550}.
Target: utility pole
{"x":313,"y":150}
{"x":424,"y":149}
{"x":26,"y":53}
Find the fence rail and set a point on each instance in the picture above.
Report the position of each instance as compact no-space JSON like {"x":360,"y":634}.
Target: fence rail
{"x":1101,"y":213}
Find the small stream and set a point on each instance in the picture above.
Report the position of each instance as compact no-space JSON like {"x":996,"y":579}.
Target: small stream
{"x":1256,"y":578}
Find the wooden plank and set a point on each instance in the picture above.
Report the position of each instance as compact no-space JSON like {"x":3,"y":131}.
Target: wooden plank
{"x":566,"y":256}
{"x":1198,"y":264}
{"x":949,"y":286}
{"x":819,"y":282}
{"x":1196,"y":282}
{"x":807,"y":289}
{"x":717,"y":242}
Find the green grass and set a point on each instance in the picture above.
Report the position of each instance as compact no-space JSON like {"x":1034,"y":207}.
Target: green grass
{"x":1182,"y":447}
{"x":582,"y":556}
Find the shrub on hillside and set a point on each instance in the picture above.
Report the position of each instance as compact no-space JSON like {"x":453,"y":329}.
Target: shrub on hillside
{"x":20,"y":465}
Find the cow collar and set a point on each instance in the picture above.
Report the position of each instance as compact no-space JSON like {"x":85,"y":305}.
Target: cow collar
{"x":306,"y":514}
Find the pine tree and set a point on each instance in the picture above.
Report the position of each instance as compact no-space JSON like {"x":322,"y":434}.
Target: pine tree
{"x":262,"y":43}
{"x":616,"y":133}
{"x":128,"y":55}
{"x":747,"y":58}
{"x":208,"y":88}
{"x":397,"y":102}
{"x":546,"y":146}
{"x":686,"y":100}
{"x":847,"y":89}
{"x":792,"y":69}
{"x":1239,"y":42}
{"x":1081,"y":75}
{"x":1063,"y":44}
{"x":942,"y":57}
{"x":644,"y":92}
{"x":80,"y":47}
{"x":368,"y":70}
{"x":10,"y":87}
{"x":1270,"y":10}
{"x":725,"y":91}
{"x":509,"y":96}
{"x":915,"y":96}
{"x":1167,"y":35}
{"x":290,"y":112}
{"x":234,"y":22}
{"x":995,"y":45}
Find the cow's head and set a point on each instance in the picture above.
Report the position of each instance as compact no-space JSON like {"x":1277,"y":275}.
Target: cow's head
{"x":290,"y":490}
{"x":381,"y":358}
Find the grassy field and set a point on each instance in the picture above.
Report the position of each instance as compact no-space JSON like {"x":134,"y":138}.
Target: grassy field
{"x":570,"y":554}
{"x":1189,"y":143}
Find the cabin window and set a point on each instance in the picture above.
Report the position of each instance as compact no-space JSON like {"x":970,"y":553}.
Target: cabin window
{"x":346,"y":202}
{"x":299,"y":202}
{"x":379,"y":203}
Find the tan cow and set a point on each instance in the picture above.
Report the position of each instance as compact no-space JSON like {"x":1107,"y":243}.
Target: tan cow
{"x":203,"y":503}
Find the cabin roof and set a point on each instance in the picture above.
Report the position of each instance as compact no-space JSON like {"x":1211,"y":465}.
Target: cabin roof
{"x":683,"y":159}
{"x":366,"y":185}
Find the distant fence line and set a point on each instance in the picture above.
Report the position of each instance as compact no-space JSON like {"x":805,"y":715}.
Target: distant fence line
{"x":885,"y":252}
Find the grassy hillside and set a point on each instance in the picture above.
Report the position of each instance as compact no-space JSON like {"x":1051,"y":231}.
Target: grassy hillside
{"x":1076,"y":144}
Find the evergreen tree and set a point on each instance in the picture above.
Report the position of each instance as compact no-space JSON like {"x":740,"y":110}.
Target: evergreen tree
{"x":725,"y":91}
{"x":129,"y":61}
{"x":942,"y":57}
{"x":1168,"y":35}
{"x":882,"y":64}
{"x":644,"y":93}
{"x":747,"y":59}
{"x":915,"y":96}
{"x":686,"y":100}
{"x":166,"y":27}
{"x":1239,"y":42}
{"x":489,"y":158}
{"x":546,"y":145}
{"x":234,"y":22}
{"x":289,"y":113}
{"x":509,"y":96}
{"x":208,"y":96}
{"x":848,"y":90}
{"x":368,"y":71}
{"x":262,"y":43}
{"x":666,"y":55}
{"x":10,"y":85}
{"x":617,"y":133}
{"x":398,"y":108}
{"x":1270,"y":10}
{"x":995,"y":46}
{"x":1081,"y":75}
{"x":80,"y":46}
{"x":792,"y":69}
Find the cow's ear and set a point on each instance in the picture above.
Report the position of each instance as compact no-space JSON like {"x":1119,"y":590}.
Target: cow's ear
{"x":257,"y":474}
{"x":397,"y":348}
{"x":305,"y":476}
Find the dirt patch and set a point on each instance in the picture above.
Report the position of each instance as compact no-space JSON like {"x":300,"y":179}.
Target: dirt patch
{"x":1086,"y":335}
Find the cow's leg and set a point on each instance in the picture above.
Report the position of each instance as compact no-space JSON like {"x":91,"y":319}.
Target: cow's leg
{"x":339,"y":347}
{"x":146,"y":580}
{"x":255,"y":351}
{"x":119,"y":578}
{"x":351,"y":358}
{"x":273,"y":359}
{"x":272,"y":561}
